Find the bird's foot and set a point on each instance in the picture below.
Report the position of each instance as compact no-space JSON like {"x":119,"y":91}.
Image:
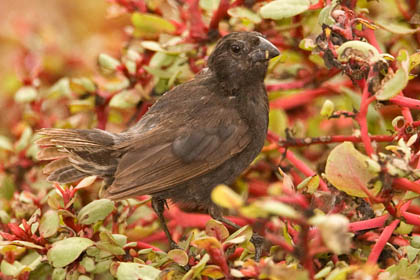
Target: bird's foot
{"x":174,"y":245}
{"x":258,"y":242}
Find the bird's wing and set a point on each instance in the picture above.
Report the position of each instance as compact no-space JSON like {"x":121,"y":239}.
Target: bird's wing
{"x":172,"y":153}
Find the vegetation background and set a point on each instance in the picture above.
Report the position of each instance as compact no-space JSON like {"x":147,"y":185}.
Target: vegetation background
{"x":335,"y":191}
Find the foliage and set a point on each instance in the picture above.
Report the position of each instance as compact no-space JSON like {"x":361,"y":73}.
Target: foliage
{"x":327,"y":211}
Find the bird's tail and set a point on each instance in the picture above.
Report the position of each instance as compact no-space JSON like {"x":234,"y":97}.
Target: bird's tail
{"x":77,"y":153}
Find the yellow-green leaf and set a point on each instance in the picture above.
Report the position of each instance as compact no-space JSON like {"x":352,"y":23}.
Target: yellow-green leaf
{"x":284,"y":8}
{"x":224,"y":196}
{"x":149,"y":25}
{"x":347,"y":170}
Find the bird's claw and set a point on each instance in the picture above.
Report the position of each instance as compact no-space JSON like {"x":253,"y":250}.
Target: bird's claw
{"x":258,"y":242}
{"x":173,"y":245}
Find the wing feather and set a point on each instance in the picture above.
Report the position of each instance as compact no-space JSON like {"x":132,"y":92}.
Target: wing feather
{"x":165,"y":158}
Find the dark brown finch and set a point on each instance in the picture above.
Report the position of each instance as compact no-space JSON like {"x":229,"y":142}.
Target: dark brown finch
{"x":200,"y":134}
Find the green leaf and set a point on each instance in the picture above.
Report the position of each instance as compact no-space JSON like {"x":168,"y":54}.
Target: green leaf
{"x":279,"y":208}
{"x":414,"y":60}
{"x":393,"y":84}
{"x":95,"y":211}
{"x":224,"y":196}
{"x":277,"y":121}
{"x":125,"y":99}
{"x":334,"y":232}
{"x":150,"y":26}
{"x":213,"y":272}
{"x":24,"y":139}
{"x":216,"y":229}
{"x":244,"y":13}
{"x":359,"y":49}
{"x":83,"y":105}
{"x":112,"y":243}
{"x":209,"y":5}
{"x":325,"y":16}
{"x":60,"y":88}
{"x":347,"y":170}
{"x":59,"y":274}
{"x":411,"y":253}
{"x":49,"y":224}
{"x":396,"y":28}
{"x":404,"y":270}
{"x":152,"y":46}
{"x":340,"y":273}
{"x":26,"y":94}
{"x":179,"y":256}
{"x":9,"y":269}
{"x":66,"y":251}
{"x":327,"y":109}
{"x":5,"y":143}
{"x":240,"y":236}
{"x":7,"y":186}
{"x":135,"y":271}
{"x":311,"y":183}
{"x":85,"y":83}
{"x":415,"y":241}
{"x":88,"y":263}
{"x":323,"y":272}
{"x":403,"y":228}
{"x":195,"y":271}
{"x":206,"y":242}
{"x":107,"y":64}
{"x":284,"y":8}
{"x":307,"y":44}
{"x":86,"y":182}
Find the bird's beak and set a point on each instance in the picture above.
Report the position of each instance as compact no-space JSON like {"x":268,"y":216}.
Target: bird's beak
{"x":265,"y":51}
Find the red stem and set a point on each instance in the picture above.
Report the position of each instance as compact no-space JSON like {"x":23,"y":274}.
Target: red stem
{"x":290,"y":85}
{"x":306,"y":259}
{"x":276,"y":240}
{"x":299,"y":99}
{"x":382,"y":240}
{"x":361,"y":119}
{"x":403,"y":12}
{"x":143,"y":245}
{"x":411,"y":218}
{"x":405,"y":184}
{"x":301,"y":142}
{"x":369,"y":34}
{"x":219,"y":14}
{"x":198,"y":31}
{"x":406,"y":102}
{"x":368,"y":224}
{"x":300,"y":165}
{"x":102,"y":116}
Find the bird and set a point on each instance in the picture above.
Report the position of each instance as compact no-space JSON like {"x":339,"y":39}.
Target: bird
{"x":200,"y":134}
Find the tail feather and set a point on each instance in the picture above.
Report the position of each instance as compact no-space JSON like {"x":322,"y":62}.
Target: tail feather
{"x":77,"y":153}
{"x":66,"y":175}
{"x":50,"y":153}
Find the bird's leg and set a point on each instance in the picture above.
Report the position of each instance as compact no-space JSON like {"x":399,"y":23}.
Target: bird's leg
{"x":158,"y":205}
{"x":216,"y":213}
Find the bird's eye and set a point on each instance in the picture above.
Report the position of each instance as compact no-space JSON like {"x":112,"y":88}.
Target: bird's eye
{"x":235,"y":48}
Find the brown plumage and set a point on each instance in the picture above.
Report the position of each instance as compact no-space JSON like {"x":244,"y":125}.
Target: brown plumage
{"x":200,"y":134}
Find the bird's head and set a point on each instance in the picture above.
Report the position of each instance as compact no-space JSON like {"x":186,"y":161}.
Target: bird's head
{"x":241,"y":58}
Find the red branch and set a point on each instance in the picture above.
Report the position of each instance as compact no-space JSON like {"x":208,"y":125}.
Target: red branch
{"x":219,"y":14}
{"x":361,"y":119}
{"x":380,"y":243}
{"x":368,"y":224}
{"x":198,"y":31}
{"x":301,"y":142}
{"x":405,"y":184}
{"x":300,"y":165}
{"x":143,"y":245}
{"x":406,"y":102}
